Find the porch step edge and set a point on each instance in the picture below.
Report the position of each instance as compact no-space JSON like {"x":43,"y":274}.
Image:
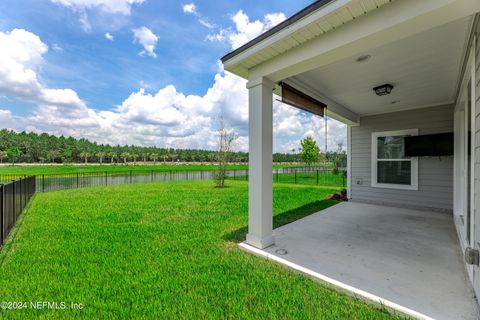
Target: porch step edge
{"x":338,"y":285}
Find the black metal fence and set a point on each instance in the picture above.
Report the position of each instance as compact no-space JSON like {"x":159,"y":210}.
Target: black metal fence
{"x":309,"y":176}
{"x":14,"y":197}
{"x":56,"y":182}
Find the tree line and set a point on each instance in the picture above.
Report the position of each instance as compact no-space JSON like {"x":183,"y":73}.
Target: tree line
{"x":30,"y":147}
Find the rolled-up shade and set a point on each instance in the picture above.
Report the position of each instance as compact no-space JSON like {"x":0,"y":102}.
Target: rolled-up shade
{"x":301,"y":100}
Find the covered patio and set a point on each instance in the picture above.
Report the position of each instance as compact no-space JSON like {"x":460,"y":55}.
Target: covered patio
{"x":392,"y":71}
{"x":407,"y":260}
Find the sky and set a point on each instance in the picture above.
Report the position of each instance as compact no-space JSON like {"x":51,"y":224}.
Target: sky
{"x":143,"y":72}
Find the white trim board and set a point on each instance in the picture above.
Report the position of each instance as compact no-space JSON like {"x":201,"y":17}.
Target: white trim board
{"x":413,"y":160}
{"x":338,"y":285}
{"x":349,"y":162}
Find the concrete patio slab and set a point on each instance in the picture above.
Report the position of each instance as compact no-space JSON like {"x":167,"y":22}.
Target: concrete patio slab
{"x":409,"y":259}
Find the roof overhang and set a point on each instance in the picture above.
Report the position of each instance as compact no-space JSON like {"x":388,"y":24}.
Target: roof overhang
{"x":336,"y":31}
{"x":318,"y":18}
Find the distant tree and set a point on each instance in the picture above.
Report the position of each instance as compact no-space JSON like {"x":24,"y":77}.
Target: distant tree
{"x":85,"y":155}
{"x":54,"y":155}
{"x":338,"y":158}
{"x":112,"y":155}
{"x":310,"y":152}
{"x":224,"y":153}
{"x":67,"y":154}
{"x":154,"y":156}
{"x":134,"y":156}
{"x":13,"y":153}
{"x":100,"y":155}
{"x":125,"y":156}
{"x":43,"y":147}
{"x":3,"y":156}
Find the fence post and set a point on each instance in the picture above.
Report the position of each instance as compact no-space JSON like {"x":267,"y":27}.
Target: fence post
{"x":152,"y":175}
{"x":277,"y":174}
{"x":106,"y":178}
{"x":186,"y":175}
{"x":234,"y":174}
{"x":2,"y":211}
{"x":14,"y":195}
{"x":130,"y":176}
{"x":43,"y":183}
{"x":170,"y":175}
{"x":25,"y":187}
{"x":317,"y":177}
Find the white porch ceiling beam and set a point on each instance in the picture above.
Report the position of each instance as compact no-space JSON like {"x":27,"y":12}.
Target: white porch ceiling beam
{"x":398,"y":20}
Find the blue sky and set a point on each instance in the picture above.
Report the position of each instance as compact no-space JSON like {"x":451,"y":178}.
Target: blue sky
{"x":136,"y":71}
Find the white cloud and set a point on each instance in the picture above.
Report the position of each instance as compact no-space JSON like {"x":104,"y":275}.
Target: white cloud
{"x":20,"y":60}
{"x":166,"y":117}
{"x":21,"y":56}
{"x":57,"y":48}
{"x":147,"y":39}
{"x":6,"y":119}
{"x":190,"y":8}
{"x":204,"y":22}
{"x":81,"y":7}
{"x":109,"y":36}
{"x":245,"y":30}
{"x":109,"y":6}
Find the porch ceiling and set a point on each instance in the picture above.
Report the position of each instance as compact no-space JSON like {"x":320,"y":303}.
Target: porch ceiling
{"x":423,"y":69}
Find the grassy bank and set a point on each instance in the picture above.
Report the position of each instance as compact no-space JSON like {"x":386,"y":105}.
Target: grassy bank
{"x":161,"y":251}
{"x":68,"y":169}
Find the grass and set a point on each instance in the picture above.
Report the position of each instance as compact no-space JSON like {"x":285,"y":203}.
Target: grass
{"x":67,"y":169}
{"x":162,"y":251}
{"x":307,"y":178}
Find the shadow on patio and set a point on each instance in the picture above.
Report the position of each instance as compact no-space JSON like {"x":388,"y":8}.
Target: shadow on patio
{"x":283,"y":218}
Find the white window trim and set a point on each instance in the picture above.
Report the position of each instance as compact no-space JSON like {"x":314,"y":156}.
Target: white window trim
{"x":414,"y":161}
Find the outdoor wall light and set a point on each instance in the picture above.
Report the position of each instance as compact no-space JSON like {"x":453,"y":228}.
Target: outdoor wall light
{"x":383,"y":90}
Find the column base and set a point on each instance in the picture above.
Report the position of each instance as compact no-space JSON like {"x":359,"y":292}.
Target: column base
{"x":259,"y":242}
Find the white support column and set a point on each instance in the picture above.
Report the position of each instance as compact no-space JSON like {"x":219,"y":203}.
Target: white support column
{"x":260,"y":192}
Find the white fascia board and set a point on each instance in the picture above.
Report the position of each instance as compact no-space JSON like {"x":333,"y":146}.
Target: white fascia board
{"x":281,"y":35}
{"x":398,"y":20}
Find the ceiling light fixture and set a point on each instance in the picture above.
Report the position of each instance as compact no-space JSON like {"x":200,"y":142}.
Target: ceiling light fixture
{"x":383,"y":90}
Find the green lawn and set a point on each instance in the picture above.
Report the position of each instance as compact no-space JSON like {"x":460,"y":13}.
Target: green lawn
{"x":327,"y":179}
{"x":66,"y":169}
{"x":161,"y":251}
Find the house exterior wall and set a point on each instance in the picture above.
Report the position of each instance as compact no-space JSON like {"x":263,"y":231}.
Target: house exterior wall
{"x":435,"y":175}
{"x":476,"y":124}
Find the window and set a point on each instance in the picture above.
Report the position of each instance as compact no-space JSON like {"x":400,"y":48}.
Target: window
{"x":390,"y":167}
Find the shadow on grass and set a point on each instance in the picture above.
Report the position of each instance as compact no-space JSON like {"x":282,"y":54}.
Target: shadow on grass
{"x":284,"y":218}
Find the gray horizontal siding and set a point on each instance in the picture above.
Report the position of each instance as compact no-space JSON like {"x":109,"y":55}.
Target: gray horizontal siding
{"x":435,"y":175}
{"x":477,"y":125}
